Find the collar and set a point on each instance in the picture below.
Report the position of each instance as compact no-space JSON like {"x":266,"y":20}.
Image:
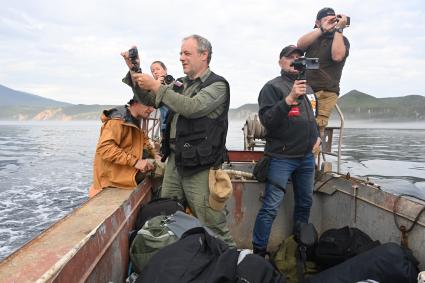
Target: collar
{"x":289,"y":76}
{"x":203,"y":77}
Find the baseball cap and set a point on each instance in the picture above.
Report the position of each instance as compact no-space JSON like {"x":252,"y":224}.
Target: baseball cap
{"x":325,"y":12}
{"x":288,"y":50}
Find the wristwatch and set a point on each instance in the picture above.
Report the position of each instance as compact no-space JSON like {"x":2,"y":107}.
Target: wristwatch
{"x":340,"y":30}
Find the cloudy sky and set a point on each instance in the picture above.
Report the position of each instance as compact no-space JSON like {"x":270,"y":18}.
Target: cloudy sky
{"x":69,"y":50}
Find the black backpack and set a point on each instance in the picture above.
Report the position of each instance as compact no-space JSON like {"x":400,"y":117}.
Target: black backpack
{"x":197,"y":257}
{"x":338,"y":245}
{"x":256,"y":269}
{"x":387,"y":263}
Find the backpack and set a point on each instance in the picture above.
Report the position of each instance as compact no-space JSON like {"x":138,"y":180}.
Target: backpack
{"x":256,"y":269}
{"x":153,"y":236}
{"x":155,"y":207}
{"x":338,"y":245}
{"x":386,"y":263}
{"x":160,"y":232}
{"x":294,"y":255}
{"x":160,"y":206}
{"x":196,"y":257}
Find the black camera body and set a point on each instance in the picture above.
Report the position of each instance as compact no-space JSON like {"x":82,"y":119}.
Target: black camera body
{"x":348,"y":20}
{"x":304,"y":63}
{"x":133,"y":54}
{"x":168,"y":79}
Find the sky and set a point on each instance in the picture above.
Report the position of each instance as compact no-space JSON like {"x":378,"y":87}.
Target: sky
{"x":70,"y":50}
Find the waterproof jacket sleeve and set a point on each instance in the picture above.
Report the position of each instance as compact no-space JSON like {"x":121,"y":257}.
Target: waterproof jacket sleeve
{"x":108,"y":148}
{"x":273,"y":110}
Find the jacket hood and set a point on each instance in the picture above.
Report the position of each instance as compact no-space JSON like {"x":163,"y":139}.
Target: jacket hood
{"x":121,"y":113}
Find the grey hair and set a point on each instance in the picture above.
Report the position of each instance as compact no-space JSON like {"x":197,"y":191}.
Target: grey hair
{"x":203,"y":45}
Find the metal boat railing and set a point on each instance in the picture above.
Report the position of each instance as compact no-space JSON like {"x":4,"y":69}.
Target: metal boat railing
{"x":327,"y":141}
{"x":254,"y":137}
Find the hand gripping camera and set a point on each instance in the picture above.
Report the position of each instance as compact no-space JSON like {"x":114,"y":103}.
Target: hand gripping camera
{"x":133,"y":54}
{"x":168,"y":79}
{"x":302,"y":64}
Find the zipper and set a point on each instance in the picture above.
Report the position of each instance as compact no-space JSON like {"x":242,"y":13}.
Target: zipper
{"x":308,"y":122}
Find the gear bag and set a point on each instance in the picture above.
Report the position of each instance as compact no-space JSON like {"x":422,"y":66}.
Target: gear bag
{"x":153,"y":236}
{"x":294,"y":255}
{"x":386,"y":263}
{"x":338,"y":245}
{"x":160,"y":206}
{"x":261,"y":172}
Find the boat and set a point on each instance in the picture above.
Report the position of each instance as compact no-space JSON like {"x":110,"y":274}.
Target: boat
{"x":91,"y":243}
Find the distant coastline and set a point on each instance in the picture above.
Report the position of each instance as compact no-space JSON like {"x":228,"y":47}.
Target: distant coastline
{"x":356,"y":106}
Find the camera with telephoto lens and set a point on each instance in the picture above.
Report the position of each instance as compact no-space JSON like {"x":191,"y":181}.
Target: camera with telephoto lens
{"x":168,"y":79}
{"x":133,"y":55}
{"x":348,"y":20}
{"x":304,"y":63}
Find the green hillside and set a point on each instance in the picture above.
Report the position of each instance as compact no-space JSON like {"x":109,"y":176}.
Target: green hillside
{"x":355,"y":105}
{"x":360,"y":106}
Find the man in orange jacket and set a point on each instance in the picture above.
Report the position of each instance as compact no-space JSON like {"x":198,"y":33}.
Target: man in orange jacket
{"x":122,"y":145}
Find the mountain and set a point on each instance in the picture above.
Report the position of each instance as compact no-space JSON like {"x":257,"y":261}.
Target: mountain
{"x":242,"y":112}
{"x":356,"y":105}
{"x":10,"y":97}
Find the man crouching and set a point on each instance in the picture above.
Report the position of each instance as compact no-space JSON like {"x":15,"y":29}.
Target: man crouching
{"x":122,"y":143}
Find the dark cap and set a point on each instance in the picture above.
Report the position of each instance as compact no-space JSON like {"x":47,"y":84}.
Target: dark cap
{"x":133,"y":100}
{"x":324,"y":13}
{"x":288,"y":50}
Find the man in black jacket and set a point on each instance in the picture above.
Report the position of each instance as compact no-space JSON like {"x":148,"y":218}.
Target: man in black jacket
{"x":291,"y":134}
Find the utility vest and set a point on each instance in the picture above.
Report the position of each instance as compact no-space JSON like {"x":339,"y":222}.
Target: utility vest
{"x":200,"y":143}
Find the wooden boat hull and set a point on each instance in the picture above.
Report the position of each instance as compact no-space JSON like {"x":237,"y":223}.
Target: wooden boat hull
{"x":91,"y":244}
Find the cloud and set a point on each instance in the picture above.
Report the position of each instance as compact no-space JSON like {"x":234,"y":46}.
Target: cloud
{"x":69,"y":50}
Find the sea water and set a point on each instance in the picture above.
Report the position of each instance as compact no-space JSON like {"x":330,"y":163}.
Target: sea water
{"x":46,"y":168}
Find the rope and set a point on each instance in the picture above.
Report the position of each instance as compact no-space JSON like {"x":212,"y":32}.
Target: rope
{"x":237,"y":173}
{"x":255,"y":128}
{"x":403,"y":228}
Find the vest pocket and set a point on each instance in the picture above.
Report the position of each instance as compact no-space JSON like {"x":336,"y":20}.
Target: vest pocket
{"x":189,"y":157}
{"x":205,"y":154}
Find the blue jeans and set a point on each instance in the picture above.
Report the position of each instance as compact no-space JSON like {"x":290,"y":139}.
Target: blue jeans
{"x":301,"y":171}
{"x":163,"y":110}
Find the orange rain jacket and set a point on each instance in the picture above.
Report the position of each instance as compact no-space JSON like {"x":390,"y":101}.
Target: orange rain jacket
{"x":120,"y":146}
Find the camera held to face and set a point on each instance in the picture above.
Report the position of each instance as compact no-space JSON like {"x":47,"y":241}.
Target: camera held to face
{"x":304,"y":63}
{"x":338,"y":17}
{"x":133,"y":55}
{"x":168,"y":79}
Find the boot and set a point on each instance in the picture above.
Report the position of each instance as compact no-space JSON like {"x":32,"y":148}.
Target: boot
{"x":260,"y":251}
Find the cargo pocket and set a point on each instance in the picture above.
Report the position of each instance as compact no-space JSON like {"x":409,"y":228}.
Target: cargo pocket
{"x":189,"y":157}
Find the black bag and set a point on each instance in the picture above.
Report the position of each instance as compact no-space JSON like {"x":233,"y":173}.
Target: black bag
{"x":196,"y":257}
{"x":261,"y":169}
{"x":338,"y":245}
{"x":156,"y":207}
{"x":161,"y":206}
{"x":261,"y":172}
{"x":256,"y":269}
{"x":387,"y":263}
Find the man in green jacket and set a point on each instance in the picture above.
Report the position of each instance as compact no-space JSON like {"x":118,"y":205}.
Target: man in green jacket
{"x":196,"y":130}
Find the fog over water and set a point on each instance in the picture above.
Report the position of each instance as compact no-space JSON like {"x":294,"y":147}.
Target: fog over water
{"x":46,"y":167}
